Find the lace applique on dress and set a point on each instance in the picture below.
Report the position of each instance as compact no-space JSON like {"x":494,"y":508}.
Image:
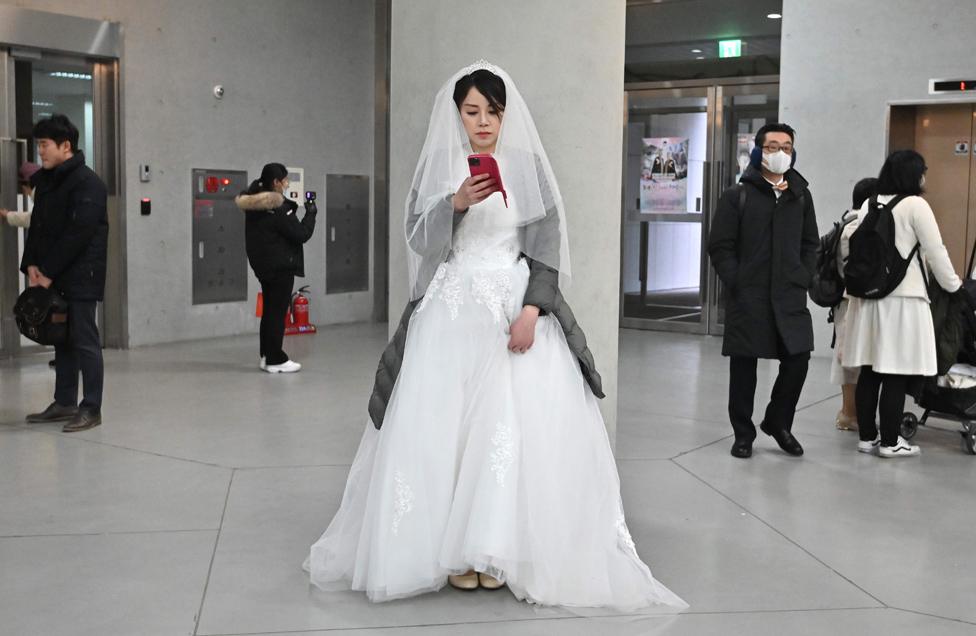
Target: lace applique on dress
{"x":452,"y":293}
{"x":624,"y":535}
{"x":435,"y":284}
{"x":504,"y":453}
{"x":403,"y":500}
{"x":494,"y":291}
{"x":447,"y":284}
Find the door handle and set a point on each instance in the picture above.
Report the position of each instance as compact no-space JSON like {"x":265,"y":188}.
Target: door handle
{"x":20,"y":142}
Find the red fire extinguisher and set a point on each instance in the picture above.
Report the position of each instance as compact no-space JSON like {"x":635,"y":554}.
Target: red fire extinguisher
{"x":298,"y":318}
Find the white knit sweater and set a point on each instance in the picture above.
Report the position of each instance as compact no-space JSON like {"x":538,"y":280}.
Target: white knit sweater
{"x":914,"y":223}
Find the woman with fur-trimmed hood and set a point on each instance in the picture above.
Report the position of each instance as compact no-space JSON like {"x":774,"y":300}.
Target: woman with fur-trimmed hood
{"x":274,"y":238}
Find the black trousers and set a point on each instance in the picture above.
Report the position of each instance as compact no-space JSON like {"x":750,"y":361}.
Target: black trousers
{"x":782,"y":401}
{"x":892,"y":404}
{"x":82,"y":353}
{"x":277,"y":296}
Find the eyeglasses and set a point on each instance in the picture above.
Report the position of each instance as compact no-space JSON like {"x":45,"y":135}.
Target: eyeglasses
{"x":787,"y":148}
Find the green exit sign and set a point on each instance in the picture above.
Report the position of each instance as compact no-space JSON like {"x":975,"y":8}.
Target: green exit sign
{"x":730,"y":48}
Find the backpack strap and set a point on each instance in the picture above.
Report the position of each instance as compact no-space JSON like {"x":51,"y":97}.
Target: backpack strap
{"x":742,"y":197}
{"x":972,"y":261}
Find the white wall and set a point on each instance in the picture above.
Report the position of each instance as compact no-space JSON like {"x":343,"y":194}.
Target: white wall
{"x":842,"y":63}
{"x":567,"y":57}
{"x":299,"y":77}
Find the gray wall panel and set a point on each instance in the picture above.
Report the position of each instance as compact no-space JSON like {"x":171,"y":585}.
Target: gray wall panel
{"x":299,"y":90}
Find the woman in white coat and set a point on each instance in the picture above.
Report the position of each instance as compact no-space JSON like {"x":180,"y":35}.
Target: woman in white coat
{"x":892,"y":338}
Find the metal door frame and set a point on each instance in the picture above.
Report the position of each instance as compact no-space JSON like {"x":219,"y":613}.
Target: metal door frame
{"x":9,"y":277}
{"x":713,"y":175}
{"x":658,"y":90}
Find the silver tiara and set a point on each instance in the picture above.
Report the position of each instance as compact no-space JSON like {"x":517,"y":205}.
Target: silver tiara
{"x":481,"y":65}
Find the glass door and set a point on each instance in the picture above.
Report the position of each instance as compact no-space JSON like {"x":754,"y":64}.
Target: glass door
{"x":741,"y":110}
{"x":667,"y":157}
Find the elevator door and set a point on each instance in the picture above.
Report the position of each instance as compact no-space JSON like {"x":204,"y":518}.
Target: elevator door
{"x":943,"y":134}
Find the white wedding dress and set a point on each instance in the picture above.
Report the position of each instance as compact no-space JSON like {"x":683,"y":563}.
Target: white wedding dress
{"x":487,"y":459}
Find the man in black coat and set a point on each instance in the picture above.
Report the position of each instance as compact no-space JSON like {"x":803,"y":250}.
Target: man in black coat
{"x":66,"y":250}
{"x":763,"y":246}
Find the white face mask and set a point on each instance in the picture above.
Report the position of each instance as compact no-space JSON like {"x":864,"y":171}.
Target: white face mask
{"x":777,"y":162}
{"x":921,"y":182}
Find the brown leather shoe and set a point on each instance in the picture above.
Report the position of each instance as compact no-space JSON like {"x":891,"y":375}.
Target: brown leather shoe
{"x":53,"y":413}
{"x":83,"y":421}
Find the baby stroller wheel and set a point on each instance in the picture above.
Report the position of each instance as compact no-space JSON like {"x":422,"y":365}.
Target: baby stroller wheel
{"x":909,"y":425}
{"x":969,"y":437}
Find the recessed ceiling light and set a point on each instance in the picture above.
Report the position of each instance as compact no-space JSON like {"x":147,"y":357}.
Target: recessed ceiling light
{"x":700,"y":57}
{"x":696,"y":50}
{"x":775,"y":16}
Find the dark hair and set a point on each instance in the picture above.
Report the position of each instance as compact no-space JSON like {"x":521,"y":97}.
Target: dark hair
{"x":487,"y":83}
{"x":57,"y":128}
{"x":863,"y":190}
{"x":902,"y":173}
{"x":270,"y":173}
{"x":768,"y":128}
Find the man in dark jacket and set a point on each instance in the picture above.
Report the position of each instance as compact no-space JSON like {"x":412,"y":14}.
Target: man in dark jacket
{"x":66,"y":250}
{"x":763,"y":245}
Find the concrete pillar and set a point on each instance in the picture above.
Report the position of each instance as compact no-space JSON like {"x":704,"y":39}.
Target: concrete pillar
{"x":567,"y":58}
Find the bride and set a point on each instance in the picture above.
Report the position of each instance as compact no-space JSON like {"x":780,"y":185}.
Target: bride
{"x":487,"y":462}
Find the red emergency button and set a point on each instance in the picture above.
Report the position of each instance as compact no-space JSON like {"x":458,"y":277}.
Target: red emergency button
{"x":213,"y":184}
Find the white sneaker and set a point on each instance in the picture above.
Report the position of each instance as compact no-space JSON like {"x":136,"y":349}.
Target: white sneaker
{"x":285,"y":367}
{"x":871,"y":448}
{"x":263,"y":364}
{"x":900,"y":449}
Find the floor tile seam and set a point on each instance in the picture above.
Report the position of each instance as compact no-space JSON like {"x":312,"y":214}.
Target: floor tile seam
{"x":931,"y":615}
{"x":782,"y":534}
{"x":213,"y":555}
{"x":74,"y":438}
{"x":292,"y":466}
{"x":111,"y":533}
{"x":829,"y":397}
{"x":661,"y":616}
{"x":712,"y":443}
{"x":682,"y":417}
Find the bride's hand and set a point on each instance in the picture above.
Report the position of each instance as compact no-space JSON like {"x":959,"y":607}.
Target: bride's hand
{"x":473,"y":190}
{"x":523,"y":330}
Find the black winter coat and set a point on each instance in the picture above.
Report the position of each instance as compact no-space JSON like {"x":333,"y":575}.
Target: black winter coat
{"x":273,"y":234}
{"x":765,"y":255}
{"x":68,"y":235}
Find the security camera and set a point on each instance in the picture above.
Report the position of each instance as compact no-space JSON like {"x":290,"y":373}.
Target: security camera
{"x":218,"y":91}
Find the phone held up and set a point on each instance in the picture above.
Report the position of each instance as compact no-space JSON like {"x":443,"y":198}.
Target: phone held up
{"x":484,"y":163}
{"x":310,"y":196}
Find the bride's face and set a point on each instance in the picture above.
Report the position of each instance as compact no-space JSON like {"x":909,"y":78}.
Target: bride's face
{"x":481,"y":121}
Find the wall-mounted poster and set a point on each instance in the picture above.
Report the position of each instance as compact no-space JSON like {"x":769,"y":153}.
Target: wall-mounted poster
{"x":664,"y":175}
{"x":745,"y":142}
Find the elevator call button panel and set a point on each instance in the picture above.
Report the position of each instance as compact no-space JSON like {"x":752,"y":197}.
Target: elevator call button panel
{"x":217,"y":251}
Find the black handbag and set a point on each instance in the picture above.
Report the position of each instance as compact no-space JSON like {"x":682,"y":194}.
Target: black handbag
{"x":42,"y":316}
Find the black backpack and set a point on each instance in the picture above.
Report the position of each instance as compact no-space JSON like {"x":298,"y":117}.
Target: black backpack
{"x":42,"y":316}
{"x":827,"y":286}
{"x":874,"y":268}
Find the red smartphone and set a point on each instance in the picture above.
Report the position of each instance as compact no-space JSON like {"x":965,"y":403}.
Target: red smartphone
{"x":484,"y":163}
